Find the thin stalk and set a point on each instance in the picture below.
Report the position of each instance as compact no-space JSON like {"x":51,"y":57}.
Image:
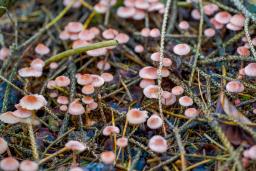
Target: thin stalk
{"x":32,"y":140}
{"x":52,"y":155}
{"x":181,"y":148}
{"x":76,"y":51}
{"x":199,"y":42}
{"x":247,"y":34}
{"x":159,"y":70}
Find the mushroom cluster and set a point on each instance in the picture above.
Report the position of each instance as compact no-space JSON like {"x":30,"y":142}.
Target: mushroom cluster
{"x":137,"y":9}
{"x":24,"y":110}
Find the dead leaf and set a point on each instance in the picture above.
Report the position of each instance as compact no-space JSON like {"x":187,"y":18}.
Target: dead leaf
{"x":235,"y":134}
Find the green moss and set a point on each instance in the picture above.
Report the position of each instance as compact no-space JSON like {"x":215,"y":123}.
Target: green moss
{"x":6,"y":4}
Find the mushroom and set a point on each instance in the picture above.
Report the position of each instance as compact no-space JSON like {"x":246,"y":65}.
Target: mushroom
{"x":51,"y":84}
{"x":75,"y":146}
{"x":154,"y":122}
{"x":108,"y":157}
{"x":146,"y":82}
{"x":4,"y":53}
{"x":95,"y":30}
{"x":37,"y":64}
{"x":191,"y":113}
{"x":250,"y":70}
{"x":92,"y":106}
{"x":62,"y":81}
{"x":21,"y":112}
{"x":136,"y":116}
{"x":86,"y":35}
{"x":141,"y":4}
{"x":243,"y":51}
{"x":108,"y":130}
{"x":155,"y":32}
{"x":107,"y":77}
{"x":109,"y":33}
{"x":237,"y":20}
{"x":210,"y":9}
{"x":177,"y":90}
{"x":209,"y":32}
{"x":139,"y":49}
{"x":235,"y":87}
{"x":184,"y":25}
{"x":181,"y":49}
{"x":195,"y":14}
{"x":145,"y":32}
{"x":28,"y":165}
{"x":122,"y":38}
{"x":88,"y":89}
{"x":62,"y":100}
{"x":216,"y":24}
{"x":100,"y":8}
{"x":64,"y":35}
{"x":185,"y":101}
{"x":97,"y":81}
{"x":222,"y":17}
{"x":125,"y":12}
{"x":87,"y":100}
{"x":97,"y":52}
{"x":122,"y":142}
{"x":79,"y":43}
{"x":30,"y":72}
{"x":63,"y":108}
{"x":103,"y":65}
{"x":151,"y":91}
{"x":32,"y":102}
{"x":158,"y":144}
{"x":74,"y":27}
{"x":139,"y":14}
{"x":41,"y":49}
{"x":168,"y":98}
{"x":9,"y":118}
{"x":9,"y":164}
{"x":84,"y":79}
{"x":76,"y":108}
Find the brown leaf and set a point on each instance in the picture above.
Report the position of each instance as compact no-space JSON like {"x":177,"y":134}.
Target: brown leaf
{"x":231,"y":110}
{"x":235,"y":134}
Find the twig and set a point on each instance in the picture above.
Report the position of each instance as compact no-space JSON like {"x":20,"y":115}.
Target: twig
{"x":199,"y":41}
{"x":242,"y":8}
{"x":247,"y":34}
{"x":71,"y":52}
{"x":181,"y":148}
{"x":32,"y":140}
{"x":159,"y":70}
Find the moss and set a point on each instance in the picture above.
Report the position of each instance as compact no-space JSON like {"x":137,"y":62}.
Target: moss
{"x":6,"y":4}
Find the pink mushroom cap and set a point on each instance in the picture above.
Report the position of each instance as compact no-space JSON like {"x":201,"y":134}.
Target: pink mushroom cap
{"x":235,"y":87}
{"x":250,"y":70}
{"x":181,"y":49}
{"x":222,"y":17}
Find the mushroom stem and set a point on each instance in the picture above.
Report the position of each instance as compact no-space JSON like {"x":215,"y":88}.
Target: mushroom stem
{"x":87,"y":117}
{"x":53,"y":155}
{"x":125,"y":127}
{"x":74,"y":158}
{"x":113,"y":123}
{"x":32,"y":140}
{"x":9,"y":152}
{"x":118,"y":153}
